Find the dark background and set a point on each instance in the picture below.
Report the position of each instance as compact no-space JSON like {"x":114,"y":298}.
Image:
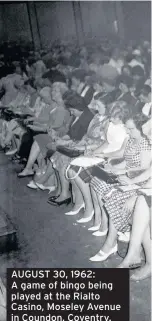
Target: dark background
{"x":44,"y":22}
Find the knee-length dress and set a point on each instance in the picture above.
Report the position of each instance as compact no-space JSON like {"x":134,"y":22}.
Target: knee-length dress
{"x":115,"y":203}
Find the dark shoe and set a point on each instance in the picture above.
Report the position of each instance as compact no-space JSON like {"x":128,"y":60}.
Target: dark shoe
{"x":52,"y":198}
{"x":135,"y":265}
{"x":22,"y":176}
{"x":52,"y":201}
{"x":67,"y":201}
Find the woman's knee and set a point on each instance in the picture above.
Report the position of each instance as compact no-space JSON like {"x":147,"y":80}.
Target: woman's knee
{"x":71,"y":173}
{"x":141,"y":203}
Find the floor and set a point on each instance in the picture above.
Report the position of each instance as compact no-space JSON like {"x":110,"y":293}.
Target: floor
{"x":49,"y":239}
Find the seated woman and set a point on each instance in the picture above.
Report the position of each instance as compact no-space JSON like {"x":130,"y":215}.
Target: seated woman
{"x":136,"y":159}
{"x":18,"y":106}
{"x":11,"y":85}
{"x":140,"y":236}
{"x":115,"y":134}
{"x":82,"y":117}
{"x":78,"y":85}
{"x":92,"y":138}
{"x":9,"y":82}
{"x":78,"y":98}
{"x":58,"y":119}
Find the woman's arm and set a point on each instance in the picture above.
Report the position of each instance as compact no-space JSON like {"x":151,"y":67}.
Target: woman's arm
{"x":142,"y":177}
{"x":145,"y":162}
{"x":145,"y":171}
{"x":38,"y":128}
{"x":101,"y":148}
{"x":117,"y":154}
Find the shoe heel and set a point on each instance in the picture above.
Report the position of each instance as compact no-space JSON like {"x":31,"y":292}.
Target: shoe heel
{"x":68,"y":202}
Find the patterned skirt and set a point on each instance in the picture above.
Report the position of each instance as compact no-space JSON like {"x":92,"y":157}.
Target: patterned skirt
{"x":120,"y":216}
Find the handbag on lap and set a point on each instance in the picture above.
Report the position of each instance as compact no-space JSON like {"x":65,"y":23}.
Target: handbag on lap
{"x":69,"y":152}
{"x":84,"y":162}
{"x":105,"y":176}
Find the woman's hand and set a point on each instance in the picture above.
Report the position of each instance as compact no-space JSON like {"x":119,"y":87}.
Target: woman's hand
{"x":100,"y":155}
{"x":124,"y":180}
{"x":88,"y":153}
{"x":108,"y":167}
{"x":66,"y":137}
{"x":62,"y":142}
{"x":81,"y":148}
{"x":36,"y":128}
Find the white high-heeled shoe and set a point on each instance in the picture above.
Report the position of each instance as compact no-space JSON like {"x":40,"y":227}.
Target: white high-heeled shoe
{"x":32,"y":185}
{"x":77,"y":211}
{"x":44,"y":188}
{"x":86,"y":219}
{"x":102,"y":256}
{"x":100,"y":233}
{"x":94,"y":228}
{"x":39,"y":172}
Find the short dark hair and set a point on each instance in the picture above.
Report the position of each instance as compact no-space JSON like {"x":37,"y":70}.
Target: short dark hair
{"x":128,"y":81}
{"x":54,"y":76}
{"x":145,"y":90}
{"x":138,"y":71}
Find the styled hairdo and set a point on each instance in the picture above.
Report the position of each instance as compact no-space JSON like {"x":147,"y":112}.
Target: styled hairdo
{"x":138,"y":119}
{"x":119,"y":111}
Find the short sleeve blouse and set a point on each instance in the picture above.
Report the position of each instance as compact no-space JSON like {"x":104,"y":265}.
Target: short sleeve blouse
{"x":133,"y":152}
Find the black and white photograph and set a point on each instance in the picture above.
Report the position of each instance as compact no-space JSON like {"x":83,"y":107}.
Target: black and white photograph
{"x":75,"y":141}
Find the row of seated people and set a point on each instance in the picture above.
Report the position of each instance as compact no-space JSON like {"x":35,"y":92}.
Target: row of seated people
{"x":89,"y":144}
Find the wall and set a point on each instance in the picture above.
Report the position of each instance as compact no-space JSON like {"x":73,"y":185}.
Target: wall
{"x":137,"y":19}
{"x":98,"y":18}
{"x":1,"y":24}
{"x":15,"y":21}
{"x":56,"y":20}
{"x":79,"y":19}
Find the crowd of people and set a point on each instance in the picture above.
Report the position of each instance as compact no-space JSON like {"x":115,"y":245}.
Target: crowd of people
{"x":79,"y":119}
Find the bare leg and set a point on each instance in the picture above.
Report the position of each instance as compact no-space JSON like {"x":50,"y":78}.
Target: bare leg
{"x":77,"y":194}
{"x":8,"y":138}
{"x":17,"y":142}
{"x":109,"y":246}
{"x":34,"y":153}
{"x":51,"y":181}
{"x":145,"y":271}
{"x":104,"y":217}
{"x":41,"y":161}
{"x":139,"y":225}
{"x":85,"y":191}
{"x":49,"y":172}
{"x":97,"y":209}
{"x":111,"y":238}
{"x":58,"y":189}
{"x":65,"y":193}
